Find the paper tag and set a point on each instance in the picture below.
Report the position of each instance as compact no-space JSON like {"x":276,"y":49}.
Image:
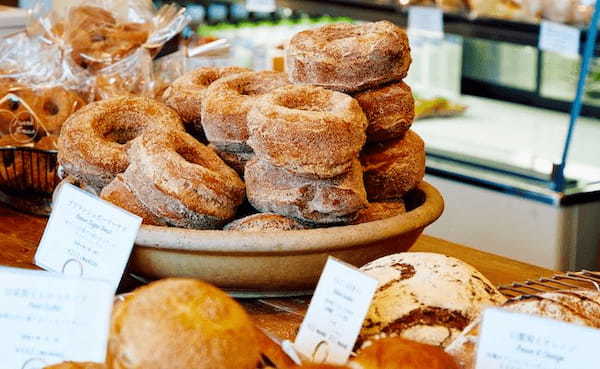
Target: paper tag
{"x":87,"y":237}
{"x":559,"y":38}
{"x":521,"y":341}
{"x":48,"y":318}
{"x":426,"y":19}
{"x":336,"y":313}
{"x":261,"y":6}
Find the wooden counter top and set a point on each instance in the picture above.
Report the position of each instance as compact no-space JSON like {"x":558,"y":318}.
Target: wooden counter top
{"x":20,"y":235}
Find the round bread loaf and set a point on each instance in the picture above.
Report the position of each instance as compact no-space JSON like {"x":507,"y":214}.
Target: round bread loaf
{"x":186,"y":93}
{"x":226,"y":104}
{"x":308,"y":130}
{"x":394,"y":167}
{"x":390,"y":110}
{"x":93,"y":142}
{"x":572,"y":306}
{"x":425,"y":297}
{"x":320,"y":201}
{"x":182,"y":182}
{"x":181,"y":324}
{"x":398,"y":353}
{"x":264,"y":222}
{"x":119,"y":193}
{"x":235,"y":159}
{"x":349,"y":57}
{"x":380,"y":210}
{"x":75,"y":365}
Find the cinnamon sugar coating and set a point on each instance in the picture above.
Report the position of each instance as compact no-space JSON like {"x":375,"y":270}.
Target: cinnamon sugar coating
{"x":307,"y":130}
{"x":320,"y":201}
{"x":348,"y":57}
{"x":182,"y":182}
{"x":264,"y":222}
{"x":380,"y":210}
{"x":93,"y":142}
{"x":394,"y":167}
{"x":185,"y":95}
{"x":227,"y":102}
{"x":119,"y":193}
{"x":390,"y":110}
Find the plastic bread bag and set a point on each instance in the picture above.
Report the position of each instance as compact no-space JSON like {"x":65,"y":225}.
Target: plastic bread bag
{"x":99,"y":33}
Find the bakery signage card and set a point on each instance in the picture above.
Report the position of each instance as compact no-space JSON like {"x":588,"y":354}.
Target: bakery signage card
{"x":520,"y":341}
{"x":47,"y":318}
{"x":87,"y":237}
{"x":336,"y":313}
{"x":426,"y":19}
{"x":559,"y":38}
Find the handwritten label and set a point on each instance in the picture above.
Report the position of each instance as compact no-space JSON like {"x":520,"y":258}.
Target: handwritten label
{"x":87,"y":237}
{"x":559,"y":38}
{"x":48,"y":318}
{"x":519,"y":341}
{"x":425,"y":19}
{"x":336,"y":313}
{"x":261,"y":6}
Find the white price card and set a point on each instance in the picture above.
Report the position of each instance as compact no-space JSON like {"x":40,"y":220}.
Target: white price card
{"x":47,"y":318}
{"x":261,"y":6}
{"x":336,"y":313}
{"x":559,"y":38}
{"x":520,"y":341}
{"x":87,"y":237}
{"x":426,"y":19}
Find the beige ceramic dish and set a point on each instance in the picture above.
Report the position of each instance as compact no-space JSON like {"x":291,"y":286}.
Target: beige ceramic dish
{"x":280,"y":263}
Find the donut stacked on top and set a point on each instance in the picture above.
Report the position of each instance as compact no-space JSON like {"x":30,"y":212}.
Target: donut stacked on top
{"x":368,"y":61}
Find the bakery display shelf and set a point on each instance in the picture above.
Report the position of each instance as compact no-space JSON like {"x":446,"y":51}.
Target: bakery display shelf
{"x":485,"y":28}
{"x":513,"y":148}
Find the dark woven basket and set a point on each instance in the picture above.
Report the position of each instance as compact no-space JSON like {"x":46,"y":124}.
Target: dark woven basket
{"x":28,"y":177}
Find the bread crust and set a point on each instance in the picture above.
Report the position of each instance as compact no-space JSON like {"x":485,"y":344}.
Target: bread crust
{"x":181,"y":323}
{"x":390,"y":110}
{"x":308,"y":130}
{"x":380,"y":210}
{"x":347,"y":57}
{"x":227,"y":102}
{"x":186,"y":93}
{"x":182,"y":182}
{"x":394,"y":167}
{"x":93,"y":142}
{"x":318,"y":201}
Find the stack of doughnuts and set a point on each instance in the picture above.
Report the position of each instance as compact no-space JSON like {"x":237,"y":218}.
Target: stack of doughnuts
{"x":295,"y":129}
{"x":306,"y":141}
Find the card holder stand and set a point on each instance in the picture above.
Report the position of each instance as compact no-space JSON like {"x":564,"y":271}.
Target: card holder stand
{"x":558,"y":282}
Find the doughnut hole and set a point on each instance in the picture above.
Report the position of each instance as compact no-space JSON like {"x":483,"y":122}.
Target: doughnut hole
{"x":50,"y":107}
{"x":318,"y":101}
{"x":123,"y":129}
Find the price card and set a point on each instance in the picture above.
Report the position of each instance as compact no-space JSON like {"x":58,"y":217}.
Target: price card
{"x":520,"y":341}
{"x":336,"y":313}
{"x":87,"y":237}
{"x":425,"y":19}
{"x":48,"y":318}
{"x":261,"y":6}
{"x":559,"y":38}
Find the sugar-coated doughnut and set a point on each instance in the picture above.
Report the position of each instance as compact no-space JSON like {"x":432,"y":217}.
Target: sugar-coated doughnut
{"x":186,"y":93}
{"x":119,"y":193}
{"x":93,"y":141}
{"x":227,"y":102}
{"x":308,"y":130}
{"x":264,"y":222}
{"x":348,"y":57}
{"x":183,"y":182}
{"x":394,"y":167}
{"x":320,"y":201}
{"x":390,"y":110}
